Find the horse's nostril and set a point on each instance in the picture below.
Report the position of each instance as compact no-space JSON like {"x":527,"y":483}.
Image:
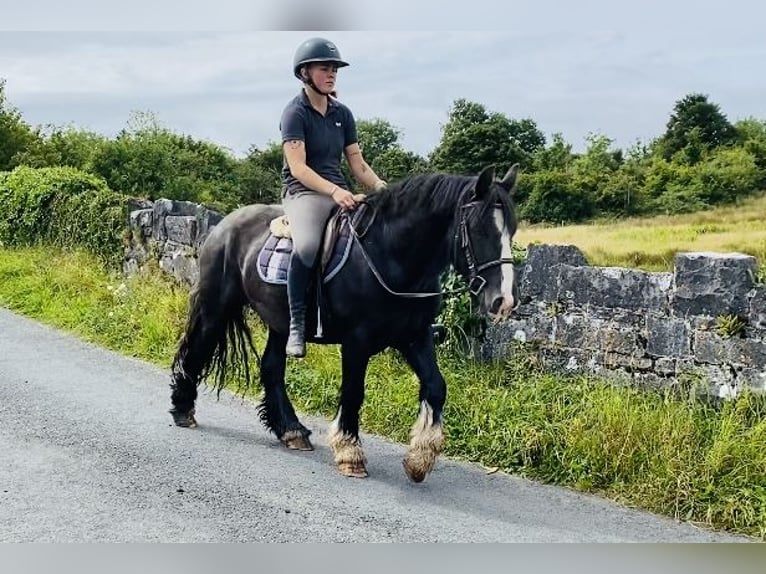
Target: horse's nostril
{"x":496,"y":304}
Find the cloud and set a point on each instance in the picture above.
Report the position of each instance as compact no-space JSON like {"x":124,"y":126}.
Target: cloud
{"x":231,"y":86}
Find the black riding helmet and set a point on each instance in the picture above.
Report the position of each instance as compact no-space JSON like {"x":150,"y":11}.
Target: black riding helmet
{"x":316,"y":50}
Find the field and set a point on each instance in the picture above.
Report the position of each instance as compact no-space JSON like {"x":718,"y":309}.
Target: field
{"x":651,"y":243}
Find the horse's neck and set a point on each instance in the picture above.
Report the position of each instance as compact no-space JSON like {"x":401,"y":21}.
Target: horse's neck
{"x":422,"y":245}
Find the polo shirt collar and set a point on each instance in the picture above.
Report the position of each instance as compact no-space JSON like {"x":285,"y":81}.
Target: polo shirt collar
{"x":304,"y":99}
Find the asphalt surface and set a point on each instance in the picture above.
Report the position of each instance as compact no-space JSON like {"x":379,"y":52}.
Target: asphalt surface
{"x":88,"y":452}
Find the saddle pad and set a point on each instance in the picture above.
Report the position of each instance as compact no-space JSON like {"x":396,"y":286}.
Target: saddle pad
{"x":274,"y":257}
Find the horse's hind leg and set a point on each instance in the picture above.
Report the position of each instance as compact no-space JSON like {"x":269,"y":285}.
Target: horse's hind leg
{"x":196,"y":348}
{"x":276,"y":410}
{"x":205,"y":331}
{"x":426,"y":437}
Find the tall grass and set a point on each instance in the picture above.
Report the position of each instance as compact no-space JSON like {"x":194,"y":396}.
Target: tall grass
{"x":674,"y":455}
{"x":651,"y":243}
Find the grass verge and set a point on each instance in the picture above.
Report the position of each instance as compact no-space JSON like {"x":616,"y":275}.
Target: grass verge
{"x":697,"y":462}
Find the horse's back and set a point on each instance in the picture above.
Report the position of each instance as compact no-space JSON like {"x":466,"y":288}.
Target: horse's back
{"x":242,"y":226}
{"x":237,"y":236}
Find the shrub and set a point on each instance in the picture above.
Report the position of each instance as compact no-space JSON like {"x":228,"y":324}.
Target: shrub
{"x":62,"y":206}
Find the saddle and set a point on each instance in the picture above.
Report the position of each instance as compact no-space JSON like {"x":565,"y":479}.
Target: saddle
{"x":274,"y":257}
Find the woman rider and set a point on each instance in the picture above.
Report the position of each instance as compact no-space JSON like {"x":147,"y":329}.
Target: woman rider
{"x":316,"y":131}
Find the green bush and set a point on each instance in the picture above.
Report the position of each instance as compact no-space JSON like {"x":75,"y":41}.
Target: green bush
{"x":730,"y":173}
{"x":553,"y":196}
{"x":462,"y":322}
{"x":150,"y":161}
{"x":62,"y":206}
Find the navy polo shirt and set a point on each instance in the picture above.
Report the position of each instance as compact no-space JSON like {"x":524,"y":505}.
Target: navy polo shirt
{"x":325,"y":138}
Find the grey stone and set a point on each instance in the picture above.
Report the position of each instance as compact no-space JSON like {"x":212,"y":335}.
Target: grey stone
{"x":142,"y":220}
{"x":711,"y":348}
{"x":713,"y":283}
{"x":574,"y":331}
{"x":539,"y":277}
{"x":613,"y":360}
{"x":181,"y":229}
{"x":621,"y":339}
{"x":667,"y":337}
{"x":136,"y":204}
{"x":614,"y":287}
{"x":163,"y":207}
{"x":179,"y":261}
{"x":207,"y":219}
{"x":752,"y":378}
{"x":757,"y":316}
{"x":748,"y":353}
{"x":665,"y":366}
{"x":500,"y":336}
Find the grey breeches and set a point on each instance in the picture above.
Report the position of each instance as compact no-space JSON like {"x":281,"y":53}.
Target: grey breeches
{"x":307,"y":213}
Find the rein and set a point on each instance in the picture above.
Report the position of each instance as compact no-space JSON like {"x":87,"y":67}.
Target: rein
{"x":465,"y":243}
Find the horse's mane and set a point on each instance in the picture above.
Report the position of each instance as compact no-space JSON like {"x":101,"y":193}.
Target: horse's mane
{"x":423,"y":192}
{"x":434,"y":193}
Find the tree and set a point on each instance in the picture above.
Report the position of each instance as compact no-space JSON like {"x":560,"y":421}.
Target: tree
{"x":751,"y":135}
{"x":397,"y":163}
{"x":258,"y":175}
{"x":376,"y":137}
{"x":148,"y":160}
{"x":696,"y":121}
{"x":473,"y":138}
{"x":557,"y":155}
{"x":592,"y":171}
{"x":16,"y":136}
{"x":63,"y":146}
{"x":554,"y":198}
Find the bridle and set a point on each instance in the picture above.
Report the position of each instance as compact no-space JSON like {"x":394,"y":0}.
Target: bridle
{"x":476,"y":282}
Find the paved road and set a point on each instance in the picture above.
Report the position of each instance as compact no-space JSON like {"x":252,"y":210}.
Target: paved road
{"x":88,"y":453}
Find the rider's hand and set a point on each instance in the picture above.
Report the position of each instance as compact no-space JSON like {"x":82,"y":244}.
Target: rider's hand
{"x":344,"y":198}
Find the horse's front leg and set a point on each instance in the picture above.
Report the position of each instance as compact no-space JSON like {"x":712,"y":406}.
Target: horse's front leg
{"x":343,"y":435}
{"x":426,"y":437}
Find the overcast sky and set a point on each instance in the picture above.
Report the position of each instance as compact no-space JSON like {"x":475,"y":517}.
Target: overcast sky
{"x":595,"y":67}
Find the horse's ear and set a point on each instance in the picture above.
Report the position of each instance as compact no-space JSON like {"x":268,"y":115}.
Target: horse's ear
{"x":484,"y":183}
{"x":508,"y":183}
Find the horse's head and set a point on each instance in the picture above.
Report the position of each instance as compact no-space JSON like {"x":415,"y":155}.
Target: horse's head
{"x":486,"y":223}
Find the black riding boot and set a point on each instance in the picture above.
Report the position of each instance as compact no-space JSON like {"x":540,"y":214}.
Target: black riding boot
{"x":297,"y":282}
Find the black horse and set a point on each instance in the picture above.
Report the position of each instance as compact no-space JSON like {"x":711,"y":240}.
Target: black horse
{"x":386,"y":295}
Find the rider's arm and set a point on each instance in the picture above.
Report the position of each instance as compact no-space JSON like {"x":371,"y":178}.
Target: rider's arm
{"x":295,"y":154}
{"x":361,"y":171}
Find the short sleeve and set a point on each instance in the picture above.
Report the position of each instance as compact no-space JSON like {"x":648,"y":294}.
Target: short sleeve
{"x":291,"y":125}
{"x":350,"y":134}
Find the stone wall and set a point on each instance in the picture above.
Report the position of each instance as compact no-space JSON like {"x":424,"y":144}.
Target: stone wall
{"x":705,"y":319}
{"x":169,"y":233}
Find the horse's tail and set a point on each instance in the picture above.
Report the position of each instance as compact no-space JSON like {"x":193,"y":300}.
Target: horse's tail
{"x":217,"y":340}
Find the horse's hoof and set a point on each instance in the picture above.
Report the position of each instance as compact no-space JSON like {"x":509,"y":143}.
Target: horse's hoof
{"x":353,"y":470}
{"x":415,"y":474}
{"x":296,"y":440}
{"x":185,"y":420}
